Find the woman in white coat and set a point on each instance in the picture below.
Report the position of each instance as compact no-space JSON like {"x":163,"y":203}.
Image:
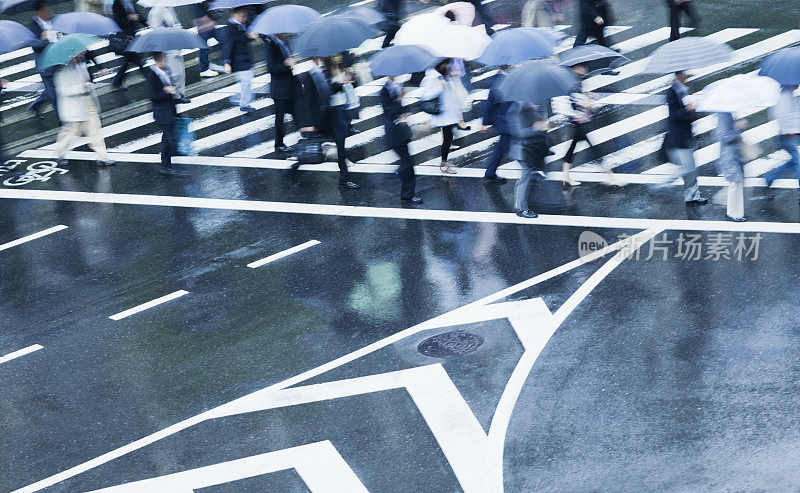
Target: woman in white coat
{"x":438,"y":84}
{"x":160,"y":17}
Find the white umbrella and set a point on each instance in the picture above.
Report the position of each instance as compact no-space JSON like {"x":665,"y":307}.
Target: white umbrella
{"x":443,"y":38}
{"x":741,"y":92}
{"x":167,"y":3}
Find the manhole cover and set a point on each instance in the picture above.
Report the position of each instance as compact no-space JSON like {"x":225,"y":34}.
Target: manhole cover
{"x":450,"y":344}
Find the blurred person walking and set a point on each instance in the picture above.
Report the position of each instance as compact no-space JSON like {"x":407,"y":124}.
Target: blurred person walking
{"x":42,"y":28}
{"x":164,"y":98}
{"x":282,"y":87}
{"x":542,"y":13}
{"x":676,"y":8}
{"x":397,"y":135}
{"x":439,"y":89}
{"x":731,"y":163}
{"x":237,"y":56}
{"x":787,"y":114}
{"x":128,"y":19}
{"x":205,"y":20}
{"x":530,"y":148}
{"x":161,"y":17}
{"x":594,"y":16}
{"x":494,"y":115}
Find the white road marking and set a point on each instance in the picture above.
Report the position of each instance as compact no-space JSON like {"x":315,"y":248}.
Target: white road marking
{"x":280,"y":255}
{"x":34,"y":236}
{"x":20,"y":352}
{"x":149,"y":304}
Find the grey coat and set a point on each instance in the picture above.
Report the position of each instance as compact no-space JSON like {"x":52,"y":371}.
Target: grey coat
{"x":730,"y":163}
{"x":528,"y":145}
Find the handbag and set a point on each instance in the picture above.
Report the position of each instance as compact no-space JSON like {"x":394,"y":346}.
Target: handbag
{"x":310,"y":151}
{"x":118,"y":42}
{"x":431,"y":106}
{"x":184,"y":136}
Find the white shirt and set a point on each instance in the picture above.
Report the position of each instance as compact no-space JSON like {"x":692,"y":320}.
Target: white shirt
{"x":47,"y":27}
{"x":787,"y":113}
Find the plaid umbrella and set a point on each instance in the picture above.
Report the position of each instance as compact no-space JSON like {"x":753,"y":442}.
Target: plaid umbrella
{"x":783,"y":66}
{"x":598,"y":59}
{"x":687,"y":54}
{"x":284,"y":19}
{"x":331,"y":35}
{"x":537,"y":81}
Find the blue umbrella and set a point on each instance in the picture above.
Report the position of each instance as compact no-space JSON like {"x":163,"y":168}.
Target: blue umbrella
{"x":166,"y":39}
{"x":687,"y":53}
{"x":597,"y":59}
{"x":284,"y":19}
{"x":783,"y":66}
{"x":331,"y":35}
{"x":398,"y":60}
{"x":232,"y":4}
{"x":537,"y":81}
{"x":366,"y":14}
{"x":13,"y":36}
{"x":84,"y":22}
{"x":513,"y":46}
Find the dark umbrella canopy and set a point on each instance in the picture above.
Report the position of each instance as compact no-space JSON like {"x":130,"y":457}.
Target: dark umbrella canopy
{"x":166,"y":39}
{"x":284,"y":19}
{"x":232,"y":4}
{"x":399,"y":60}
{"x":84,"y":22}
{"x":13,"y":36}
{"x":331,"y":35}
{"x":514,"y":46}
{"x":687,"y":53}
{"x":596,"y":58}
{"x":366,"y":14}
{"x":783,"y":66}
{"x":537,"y":81}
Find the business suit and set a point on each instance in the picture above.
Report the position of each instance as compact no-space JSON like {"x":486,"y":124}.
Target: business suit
{"x":391,"y":9}
{"x":38,"y":45}
{"x":282,"y":85}
{"x":589,"y":11}
{"x":80,"y":110}
{"x":675,"y":10}
{"x":164,"y":17}
{"x":529,"y":147}
{"x":392,"y":109}
{"x":164,"y":114}
{"x":236,"y":52}
{"x":679,"y":142}
{"x":494,"y":114}
{"x":120,"y":10}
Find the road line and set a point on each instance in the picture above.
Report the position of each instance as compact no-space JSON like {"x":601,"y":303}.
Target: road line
{"x":21,"y":352}
{"x":149,"y":304}
{"x":280,"y":255}
{"x":24,"y":239}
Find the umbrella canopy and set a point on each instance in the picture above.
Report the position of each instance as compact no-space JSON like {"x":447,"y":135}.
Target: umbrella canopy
{"x":232,"y":4}
{"x":84,"y":22}
{"x":537,"y":81}
{"x":464,"y":12}
{"x":166,"y":39}
{"x":738,"y":93}
{"x":7,"y":4}
{"x":687,"y":54}
{"x":167,"y":3}
{"x":513,"y":46}
{"x":783,"y":66}
{"x":331,"y":35}
{"x":596,"y":58}
{"x":398,"y":60}
{"x":284,"y":19}
{"x":366,"y":14}
{"x":65,"y":49}
{"x":13,"y":36}
{"x":442,"y":37}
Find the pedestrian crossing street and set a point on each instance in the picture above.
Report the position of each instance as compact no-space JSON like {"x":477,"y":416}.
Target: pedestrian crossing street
{"x":627,"y":129}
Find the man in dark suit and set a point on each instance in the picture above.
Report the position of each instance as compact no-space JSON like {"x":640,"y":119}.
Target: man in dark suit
{"x":237,"y":55}
{"x":494,"y":114}
{"x":164,"y":97}
{"x":391,"y":10}
{"x":594,"y":16}
{"x":42,"y":29}
{"x":397,"y":135}
{"x":679,"y":141}
{"x":676,"y":7}
{"x":128,"y":18}
{"x":282,"y":85}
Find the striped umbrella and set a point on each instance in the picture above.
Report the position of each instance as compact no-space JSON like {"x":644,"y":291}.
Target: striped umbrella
{"x":687,"y":53}
{"x":783,"y":66}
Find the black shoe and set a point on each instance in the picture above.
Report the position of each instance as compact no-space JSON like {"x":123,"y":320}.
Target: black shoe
{"x":700,"y":201}
{"x":735,"y":219}
{"x":36,"y":109}
{"x":489,"y":31}
{"x":63,"y":161}
{"x":247,"y":109}
{"x":527,"y":213}
{"x":354,"y":131}
{"x":468,"y":127}
{"x":495,"y":179}
{"x":110,"y":162}
{"x":184,"y":100}
{"x":171,"y":172}
{"x":349,"y":185}
{"x":283,"y":148}
{"x":412,"y":200}
{"x":119,"y":88}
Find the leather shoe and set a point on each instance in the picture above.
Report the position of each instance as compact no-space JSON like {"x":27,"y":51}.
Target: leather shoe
{"x":412,"y":200}
{"x":527,"y":213}
{"x":171,"y":172}
{"x":736,"y":219}
{"x":63,"y":161}
{"x":119,"y":88}
{"x":354,"y":131}
{"x":350,"y":185}
{"x":495,"y":179}
{"x":700,"y":201}
{"x":247,"y":109}
{"x":184,"y":100}
{"x":109,"y":162}
{"x":283,"y":148}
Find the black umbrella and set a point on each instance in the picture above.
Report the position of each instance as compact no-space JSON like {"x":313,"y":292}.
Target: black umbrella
{"x":597,"y":59}
{"x":536,"y":82}
{"x":166,"y":39}
{"x":331,"y":35}
{"x":366,"y":14}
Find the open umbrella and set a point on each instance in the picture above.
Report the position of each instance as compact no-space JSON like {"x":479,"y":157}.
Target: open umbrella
{"x":741,"y":92}
{"x":13,"y":36}
{"x":535,"y":82}
{"x":687,"y":53}
{"x":366,"y":14}
{"x":513,"y":46}
{"x":232,"y":4}
{"x":167,"y":3}
{"x":399,"y":60}
{"x":65,"y":49}
{"x":284,"y":19}
{"x":442,"y":37}
{"x":84,"y":22}
{"x":166,"y":39}
{"x":783,"y":66}
{"x":331,"y":35}
{"x":464,"y":12}
{"x":598,"y":59}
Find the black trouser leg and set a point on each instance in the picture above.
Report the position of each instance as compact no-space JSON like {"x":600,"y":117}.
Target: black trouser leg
{"x":447,"y":140}
{"x":582,"y":36}
{"x":406,"y":173}
{"x":688,"y":8}
{"x":281,"y":108}
{"x":168,"y":144}
{"x":674,"y":23}
{"x":484,"y":15}
{"x":50,"y":91}
{"x":390,"y":32}
{"x":128,"y":58}
{"x":340,"y":130}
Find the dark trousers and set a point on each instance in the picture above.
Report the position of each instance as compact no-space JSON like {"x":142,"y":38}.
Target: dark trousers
{"x":447,"y":140}
{"x":203,"y":54}
{"x":675,"y":18}
{"x":390,"y":30}
{"x":406,"y":172}
{"x":579,"y":133}
{"x":282,"y":107}
{"x":591,"y":31}
{"x":340,"y":131}
{"x":500,"y":150}
{"x":484,"y":15}
{"x":128,"y":59}
{"x":49,"y":92}
{"x":169,"y":144}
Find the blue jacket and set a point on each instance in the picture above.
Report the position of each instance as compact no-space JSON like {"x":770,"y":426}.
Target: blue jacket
{"x":236,"y":48}
{"x":495,"y":112}
{"x":39,"y":45}
{"x":679,"y":123}
{"x":392,"y":109}
{"x":164,"y":112}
